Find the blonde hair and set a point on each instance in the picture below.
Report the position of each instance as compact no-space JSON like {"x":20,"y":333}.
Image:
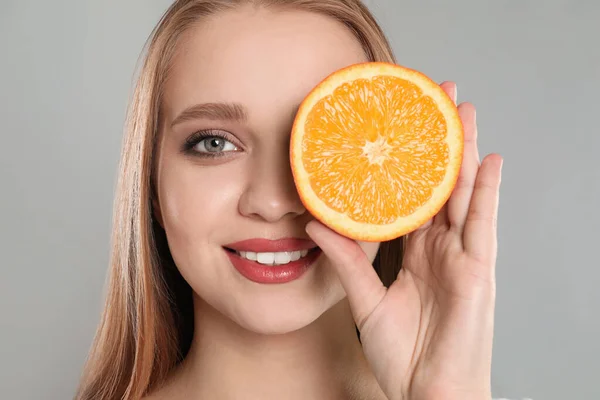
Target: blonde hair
{"x":144,"y":329}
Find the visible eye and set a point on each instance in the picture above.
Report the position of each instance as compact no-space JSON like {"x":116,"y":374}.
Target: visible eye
{"x":209,"y":144}
{"x":214,"y":144}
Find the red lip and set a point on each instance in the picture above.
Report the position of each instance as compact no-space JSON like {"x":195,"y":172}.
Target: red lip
{"x":258,"y":273}
{"x":272,"y":246}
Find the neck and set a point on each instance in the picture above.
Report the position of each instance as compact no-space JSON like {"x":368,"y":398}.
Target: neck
{"x":321,"y":361}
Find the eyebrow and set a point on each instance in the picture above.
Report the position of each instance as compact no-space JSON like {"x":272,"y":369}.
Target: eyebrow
{"x":213,"y":111}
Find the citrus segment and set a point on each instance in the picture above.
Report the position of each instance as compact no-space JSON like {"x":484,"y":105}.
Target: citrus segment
{"x":376,"y":150}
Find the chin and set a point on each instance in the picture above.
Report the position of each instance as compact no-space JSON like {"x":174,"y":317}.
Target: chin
{"x":280,"y":308}
{"x":284,"y":316}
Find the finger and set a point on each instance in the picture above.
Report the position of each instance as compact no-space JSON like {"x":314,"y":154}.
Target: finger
{"x":358,"y":277}
{"x":450,"y":89}
{"x":458,"y":204}
{"x":442,"y":216}
{"x":480,"y":233}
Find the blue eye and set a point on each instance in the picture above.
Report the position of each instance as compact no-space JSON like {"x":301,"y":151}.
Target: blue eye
{"x":209,"y":144}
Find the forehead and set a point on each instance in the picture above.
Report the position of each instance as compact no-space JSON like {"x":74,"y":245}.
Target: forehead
{"x":257,"y":57}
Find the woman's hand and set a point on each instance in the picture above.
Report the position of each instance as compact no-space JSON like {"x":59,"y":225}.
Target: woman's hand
{"x":429,"y":336}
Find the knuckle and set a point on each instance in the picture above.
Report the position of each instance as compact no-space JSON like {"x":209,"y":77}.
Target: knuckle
{"x":356,"y":255}
{"x":480,"y":216}
{"x":486,"y":185}
{"x":463,"y":182}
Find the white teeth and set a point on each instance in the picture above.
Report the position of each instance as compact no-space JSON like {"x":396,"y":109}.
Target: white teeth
{"x":265,"y":258}
{"x":278,"y":258}
{"x":282,"y":258}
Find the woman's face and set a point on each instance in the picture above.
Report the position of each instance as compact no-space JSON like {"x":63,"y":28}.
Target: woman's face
{"x":223,"y":167}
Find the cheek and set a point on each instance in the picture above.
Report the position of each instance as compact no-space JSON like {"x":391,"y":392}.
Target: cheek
{"x":196,"y":200}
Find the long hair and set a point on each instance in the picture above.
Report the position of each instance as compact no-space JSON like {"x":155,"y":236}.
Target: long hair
{"x":147,"y":322}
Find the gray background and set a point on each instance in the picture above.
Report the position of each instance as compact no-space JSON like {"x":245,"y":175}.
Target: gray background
{"x":531,"y":67}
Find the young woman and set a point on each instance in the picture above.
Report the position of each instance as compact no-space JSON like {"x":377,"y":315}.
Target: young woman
{"x":205,"y":181}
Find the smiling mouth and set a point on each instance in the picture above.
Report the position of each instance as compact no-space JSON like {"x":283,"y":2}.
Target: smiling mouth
{"x":274,"y":258}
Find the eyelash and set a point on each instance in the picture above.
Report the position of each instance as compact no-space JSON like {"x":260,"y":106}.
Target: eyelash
{"x":197,"y":137}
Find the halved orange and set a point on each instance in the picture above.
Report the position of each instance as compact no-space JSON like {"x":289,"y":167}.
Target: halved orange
{"x":375,"y":150}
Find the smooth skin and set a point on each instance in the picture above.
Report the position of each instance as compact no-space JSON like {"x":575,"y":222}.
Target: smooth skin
{"x":427,"y":337}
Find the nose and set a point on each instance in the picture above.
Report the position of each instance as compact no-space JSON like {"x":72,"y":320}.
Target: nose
{"x":270,"y":194}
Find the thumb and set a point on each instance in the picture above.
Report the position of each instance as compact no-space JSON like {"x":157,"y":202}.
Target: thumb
{"x":358,"y":277}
